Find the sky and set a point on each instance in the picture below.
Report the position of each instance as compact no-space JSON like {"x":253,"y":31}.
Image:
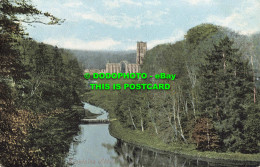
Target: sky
{"x":119,"y":24}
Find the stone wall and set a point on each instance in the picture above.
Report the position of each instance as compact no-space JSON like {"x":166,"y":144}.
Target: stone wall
{"x":117,"y":68}
{"x":91,"y":71}
{"x":113,"y":68}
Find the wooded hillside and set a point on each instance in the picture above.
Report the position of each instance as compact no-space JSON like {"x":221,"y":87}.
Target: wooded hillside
{"x":214,"y":99}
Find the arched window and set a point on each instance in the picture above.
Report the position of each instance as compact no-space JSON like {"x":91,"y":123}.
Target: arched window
{"x":123,"y":67}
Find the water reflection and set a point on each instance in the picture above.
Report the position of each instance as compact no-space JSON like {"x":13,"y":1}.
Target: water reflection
{"x":95,"y":147}
{"x":131,"y":155}
{"x":89,"y":148}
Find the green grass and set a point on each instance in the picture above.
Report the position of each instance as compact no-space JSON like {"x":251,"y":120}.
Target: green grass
{"x":107,"y":99}
{"x":147,"y":140}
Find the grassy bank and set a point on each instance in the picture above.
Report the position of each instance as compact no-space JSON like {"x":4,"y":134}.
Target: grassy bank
{"x":147,"y":140}
{"x":107,"y":99}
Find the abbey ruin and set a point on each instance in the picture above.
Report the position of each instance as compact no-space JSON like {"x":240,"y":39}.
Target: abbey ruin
{"x":124,"y":66}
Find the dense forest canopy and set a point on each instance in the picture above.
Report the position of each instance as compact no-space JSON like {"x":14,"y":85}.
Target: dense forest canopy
{"x":214,"y":101}
{"x":39,"y":85}
{"x":221,"y":68}
{"x":207,"y":47}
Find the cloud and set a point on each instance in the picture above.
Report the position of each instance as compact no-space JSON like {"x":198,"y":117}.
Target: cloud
{"x":245,"y":20}
{"x":73,"y":4}
{"x":196,"y":2}
{"x":118,"y":3}
{"x":153,"y":3}
{"x":115,"y":21}
{"x":111,"y":4}
{"x":130,"y":2}
{"x":74,"y":43}
{"x":175,"y":37}
{"x":130,"y":47}
{"x":152,"y":43}
{"x":120,"y":21}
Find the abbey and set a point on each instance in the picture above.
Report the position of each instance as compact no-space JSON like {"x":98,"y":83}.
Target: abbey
{"x":124,"y":66}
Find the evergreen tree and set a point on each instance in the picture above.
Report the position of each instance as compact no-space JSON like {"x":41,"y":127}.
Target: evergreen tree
{"x":57,"y":62}
{"x":226,"y":83}
{"x":11,"y":13}
{"x":251,"y":135}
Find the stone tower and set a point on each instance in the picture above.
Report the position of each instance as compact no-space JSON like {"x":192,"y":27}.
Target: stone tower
{"x":140,"y":52}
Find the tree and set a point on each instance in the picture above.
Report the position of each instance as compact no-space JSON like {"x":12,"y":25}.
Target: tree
{"x":199,"y":33}
{"x":12,"y":138}
{"x":57,"y":62}
{"x":126,"y":108}
{"x":251,"y":135}
{"x":205,"y":135}
{"x":225,"y":85}
{"x":12,"y":13}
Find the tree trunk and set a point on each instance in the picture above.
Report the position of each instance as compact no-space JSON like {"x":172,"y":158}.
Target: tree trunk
{"x":174,"y":119}
{"x":154,"y":123}
{"x":142,"y":124}
{"x":193,"y":106}
{"x":208,"y":133}
{"x":186,"y":107}
{"x":193,"y":79}
{"x":152,"y":118}
{"x":179,"y":122}
{"x":131,"y":117}
{"x":170,"y":122}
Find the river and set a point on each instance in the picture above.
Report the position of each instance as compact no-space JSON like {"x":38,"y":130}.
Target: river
{"x":95,"y":147}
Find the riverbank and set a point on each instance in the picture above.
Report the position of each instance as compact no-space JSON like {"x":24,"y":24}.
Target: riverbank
{"x":152,"y":141}
{"x":144,"y":139}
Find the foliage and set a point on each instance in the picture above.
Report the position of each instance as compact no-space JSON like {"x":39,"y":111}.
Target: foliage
{"x":55,"y":78}
{"x":225,"y":84}
{"x":152,"y":141}
{"x":205,"y":135}
{"x":15,"y":147}
{"x":35,"y":80}
{"x":53,"y":136}
{"x":33,"y":138}
{"x":199,"y":33}
{"x":216,"y":71}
